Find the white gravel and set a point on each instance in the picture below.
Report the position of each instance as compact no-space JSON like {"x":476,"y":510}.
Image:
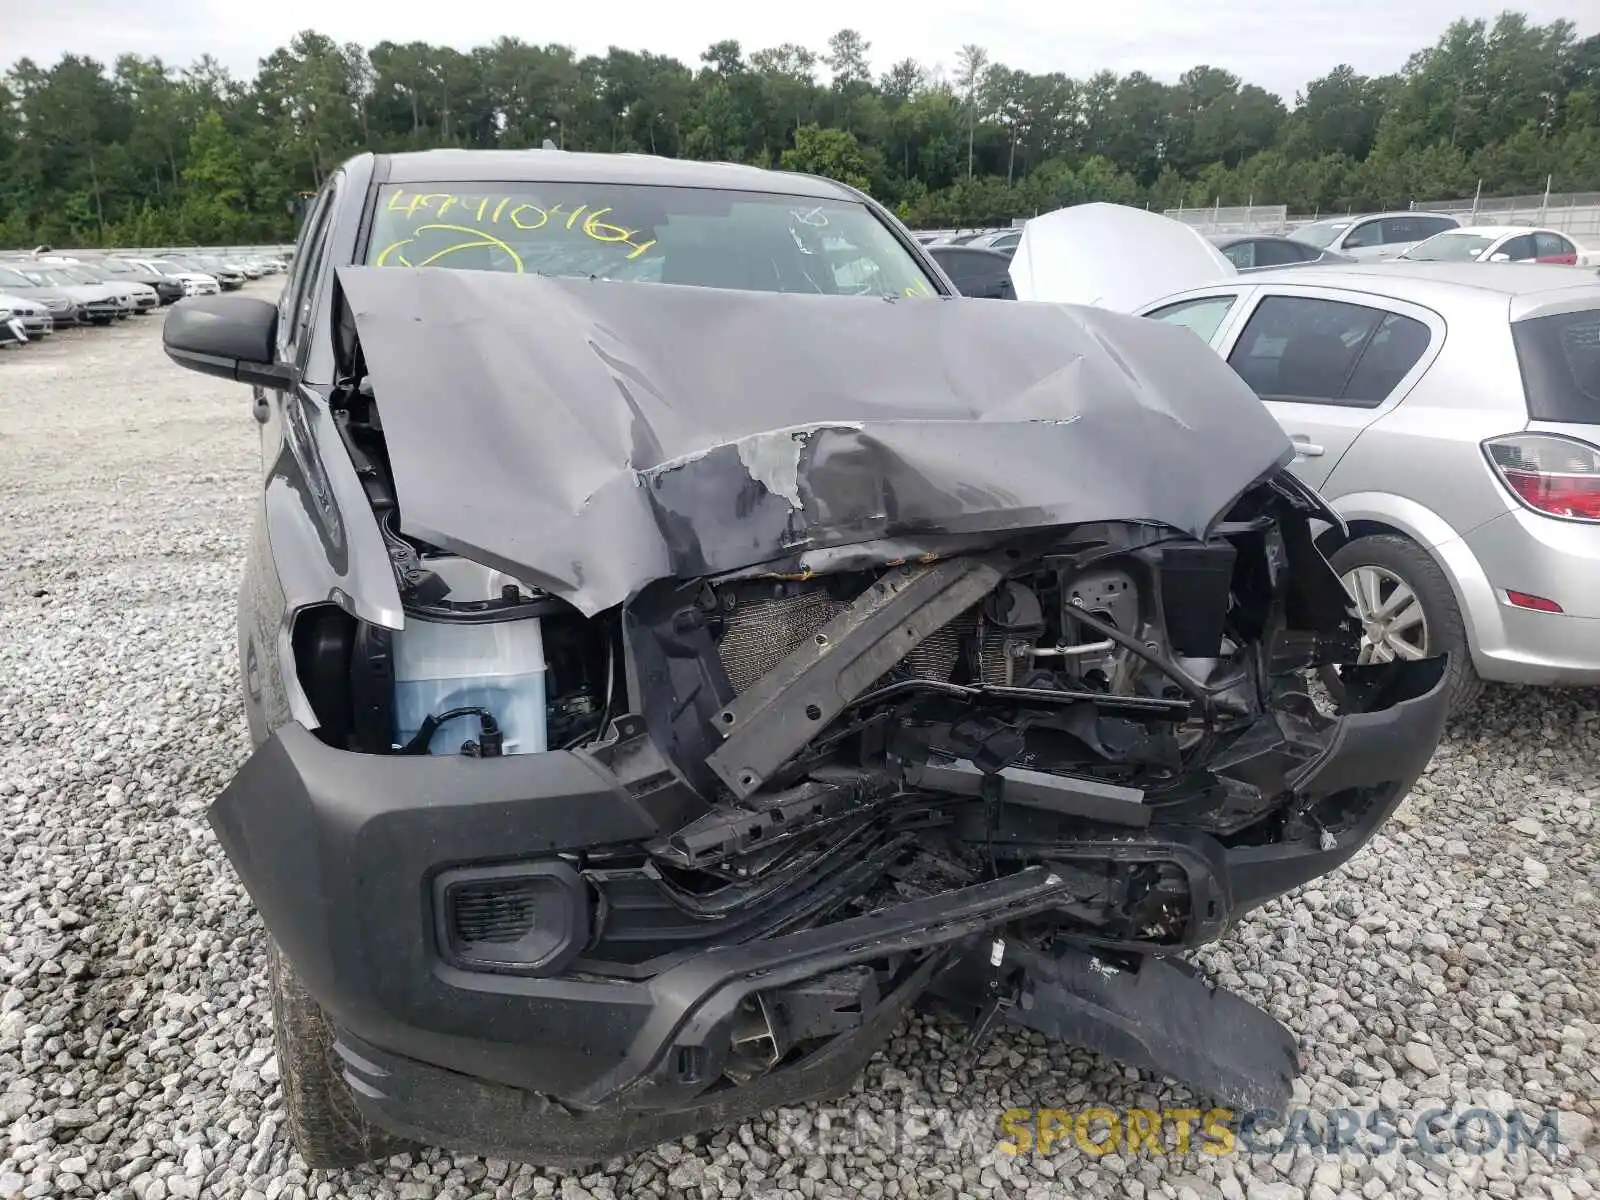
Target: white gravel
{"x":1452,"y":964}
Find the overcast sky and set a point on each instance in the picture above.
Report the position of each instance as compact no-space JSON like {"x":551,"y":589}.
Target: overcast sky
{"x":1277,"y":45}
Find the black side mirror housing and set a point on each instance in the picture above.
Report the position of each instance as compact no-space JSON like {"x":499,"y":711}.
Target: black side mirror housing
{"x":232,"y":337}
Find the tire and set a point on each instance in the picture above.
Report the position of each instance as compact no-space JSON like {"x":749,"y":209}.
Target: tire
{"x":1392,"y":562}
{"x":327,"y":1128}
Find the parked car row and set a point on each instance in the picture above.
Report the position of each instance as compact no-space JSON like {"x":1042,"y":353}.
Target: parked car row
{"x":42,"y":291}
{"x":1361,"y":237}
{"x":1003,"y":241}
{"x":1434,"y":237}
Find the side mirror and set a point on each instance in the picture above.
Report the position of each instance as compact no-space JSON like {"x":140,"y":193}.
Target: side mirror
{"x":1501,"y":256}
{"x":232,"y":337}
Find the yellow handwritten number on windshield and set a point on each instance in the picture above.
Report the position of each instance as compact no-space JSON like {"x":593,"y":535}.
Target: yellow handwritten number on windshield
{"x":477,"y":239}
{"x":525,"y":217}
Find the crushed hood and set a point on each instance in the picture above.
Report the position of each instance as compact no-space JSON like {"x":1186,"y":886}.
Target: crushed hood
{"x":592,"y":437}
{"x":1112,"y":256}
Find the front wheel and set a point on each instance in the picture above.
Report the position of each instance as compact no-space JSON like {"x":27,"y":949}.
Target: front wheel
{"x":1407,"y":610}
{"x":327,"y":1127}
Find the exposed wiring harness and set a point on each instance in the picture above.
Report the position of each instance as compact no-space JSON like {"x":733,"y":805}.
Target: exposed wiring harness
{"x":490,"y":743}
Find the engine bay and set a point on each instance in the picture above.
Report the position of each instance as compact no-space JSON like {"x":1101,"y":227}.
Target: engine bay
{"x":823,"y":742}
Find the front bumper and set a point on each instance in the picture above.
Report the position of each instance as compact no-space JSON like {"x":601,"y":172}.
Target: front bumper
{"x":341,"y":853}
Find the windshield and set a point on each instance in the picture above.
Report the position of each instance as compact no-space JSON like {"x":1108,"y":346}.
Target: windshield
{"x":166,"y":268}
{"x":1320,"y":234}
{"x":1450,"y":247}
{"x":754,"y":241}
{"x":50,"y":278}
{"x":11,"y":278}
{"x":111,"y":266}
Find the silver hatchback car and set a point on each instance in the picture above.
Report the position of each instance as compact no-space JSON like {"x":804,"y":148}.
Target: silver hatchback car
{"x":1450,"y":412}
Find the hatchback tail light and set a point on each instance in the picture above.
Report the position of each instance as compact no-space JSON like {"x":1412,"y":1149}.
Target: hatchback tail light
{"x":1555,"y":475}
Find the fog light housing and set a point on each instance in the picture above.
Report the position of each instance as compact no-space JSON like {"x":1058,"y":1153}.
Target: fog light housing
{"x":529,"y":918}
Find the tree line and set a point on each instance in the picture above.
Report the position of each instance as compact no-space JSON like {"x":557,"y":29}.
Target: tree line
{"x":146,"y":153}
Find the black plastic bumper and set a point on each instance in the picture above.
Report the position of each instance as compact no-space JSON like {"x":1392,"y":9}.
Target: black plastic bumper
{"x":340,"y":853}
{"x":657,"y":1089}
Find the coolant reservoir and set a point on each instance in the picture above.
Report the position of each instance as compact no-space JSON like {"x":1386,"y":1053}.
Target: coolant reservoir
{"x":497,"y":665}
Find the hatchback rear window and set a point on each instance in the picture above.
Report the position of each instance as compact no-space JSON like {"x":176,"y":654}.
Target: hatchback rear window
{"x":1560,"y":359}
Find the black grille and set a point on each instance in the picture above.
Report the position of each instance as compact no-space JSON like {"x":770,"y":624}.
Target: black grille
{"x":493,"y":912}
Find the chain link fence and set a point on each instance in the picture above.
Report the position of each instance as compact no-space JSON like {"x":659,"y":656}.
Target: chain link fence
{"x":1573,"y":213}
{"x":1576,"y":213}
{"x":1240,"y":218}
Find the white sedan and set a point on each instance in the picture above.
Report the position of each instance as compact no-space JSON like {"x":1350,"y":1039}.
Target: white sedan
{"x":1497,"y":243}
{"x":195,"y":283}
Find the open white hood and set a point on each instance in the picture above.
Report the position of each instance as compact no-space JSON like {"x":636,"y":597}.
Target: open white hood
{"x":1112,"y":256}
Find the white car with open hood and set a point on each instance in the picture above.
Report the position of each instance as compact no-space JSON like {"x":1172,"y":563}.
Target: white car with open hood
{"x":1449,"y":412}
{"x":1112,"y":256}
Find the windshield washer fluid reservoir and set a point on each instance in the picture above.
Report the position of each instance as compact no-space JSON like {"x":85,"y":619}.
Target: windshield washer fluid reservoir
{"x":496,"y":665}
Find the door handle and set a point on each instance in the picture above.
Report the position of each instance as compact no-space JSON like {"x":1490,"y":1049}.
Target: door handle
{"x":1304,"y":447}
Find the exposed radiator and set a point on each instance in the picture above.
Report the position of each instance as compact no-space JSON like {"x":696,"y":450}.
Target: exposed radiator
{"x":759,"y":634}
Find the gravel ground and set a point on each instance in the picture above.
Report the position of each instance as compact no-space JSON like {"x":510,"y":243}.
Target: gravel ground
{"x":1452,"y":964}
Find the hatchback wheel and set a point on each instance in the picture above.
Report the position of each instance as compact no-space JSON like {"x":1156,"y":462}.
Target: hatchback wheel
{"x":1407,"y":610}
{"x":1393,"y":622}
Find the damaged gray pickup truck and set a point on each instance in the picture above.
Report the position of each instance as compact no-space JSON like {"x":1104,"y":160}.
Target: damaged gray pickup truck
{"x":685,"y":635}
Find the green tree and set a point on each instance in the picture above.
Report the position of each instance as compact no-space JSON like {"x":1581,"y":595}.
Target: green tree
{"x":834,"y":153}
{"x":215,"y":164}
{"x":150,"y":152}
{"x":1336,"y":114}
{"x":973,"y":61}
